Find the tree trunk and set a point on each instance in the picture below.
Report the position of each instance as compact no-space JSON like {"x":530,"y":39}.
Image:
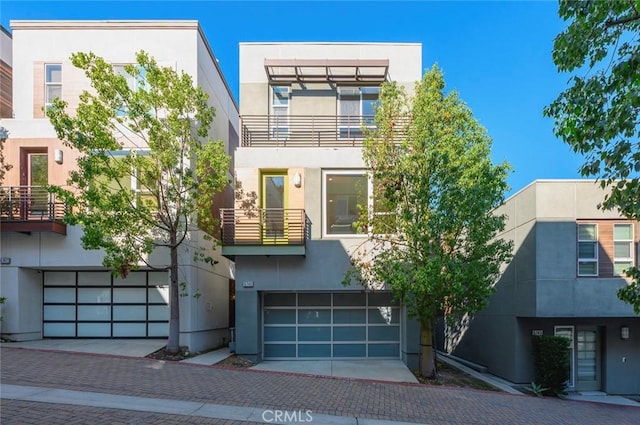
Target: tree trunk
{"x":427,"y":351}
{"x":173,"y":344}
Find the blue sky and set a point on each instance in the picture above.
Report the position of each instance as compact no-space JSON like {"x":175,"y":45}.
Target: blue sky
{"x":496,"y":55}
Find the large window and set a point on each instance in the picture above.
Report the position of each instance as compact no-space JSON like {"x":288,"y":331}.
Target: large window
{"x":622,"y":247}
{"x":52,"y":83}
{"x":587,"y":249}
{"x":346,"y":199}
{"x":357,"y":107}
{"x":280,"y":112}
{"x":135,"y":83}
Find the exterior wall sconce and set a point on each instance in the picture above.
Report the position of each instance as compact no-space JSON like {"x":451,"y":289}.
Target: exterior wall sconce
{"x":624,"y":332}
{"x":297,"y":180}
{"x":58,"y":156}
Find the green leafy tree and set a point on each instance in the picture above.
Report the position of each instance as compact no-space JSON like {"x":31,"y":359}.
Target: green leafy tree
{"x":147,"y":171}
{"x":433,"y":233}
{"x":597,"y":115}
{"x":4,"y":166}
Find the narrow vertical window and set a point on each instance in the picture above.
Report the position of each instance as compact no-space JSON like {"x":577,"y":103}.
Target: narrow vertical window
{"x":52,"y":83}
{"x":280,"y":112}
{"x":622,"y":248}
{"x":587,"y":250}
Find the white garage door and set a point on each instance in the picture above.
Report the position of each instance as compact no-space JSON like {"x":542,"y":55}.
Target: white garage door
{"x":94,"y":304}
{"x":335,"y":325}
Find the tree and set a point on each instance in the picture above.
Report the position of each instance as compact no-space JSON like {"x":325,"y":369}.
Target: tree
{"x":433,"y":232}
{"x":147,"y":171}
{"x":4,"y":166}
{"x":597,"y":115}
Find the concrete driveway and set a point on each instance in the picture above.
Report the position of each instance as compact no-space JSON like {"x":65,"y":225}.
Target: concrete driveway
{"x":380,"y":370}
{"x":116,"y":347}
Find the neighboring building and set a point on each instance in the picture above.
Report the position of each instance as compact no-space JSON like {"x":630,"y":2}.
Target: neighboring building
{"x":300,"y":177}
{"x":53,"y":287}
{"x":567,"y":267}
{"x":6,"y":89}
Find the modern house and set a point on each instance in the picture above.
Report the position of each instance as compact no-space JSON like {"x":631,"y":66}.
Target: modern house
{"x":54,"y":288}
{"x":300,"y":179}
{"x":568,"y":264}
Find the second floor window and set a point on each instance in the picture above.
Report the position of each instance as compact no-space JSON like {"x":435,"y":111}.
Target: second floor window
{"x":622,"y":247}
{"x":52,"y":83}
{"x":356,"y":106}
{"x":134,"y":82}
{"x":587,"y":249}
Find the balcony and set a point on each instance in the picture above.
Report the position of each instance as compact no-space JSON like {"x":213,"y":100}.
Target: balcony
{"x":260,"y":231}
{"x":306,"y":130}
{"x":27,"y":209}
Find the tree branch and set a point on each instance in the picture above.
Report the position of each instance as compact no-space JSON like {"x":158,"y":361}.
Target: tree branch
{"x":613,"y":22}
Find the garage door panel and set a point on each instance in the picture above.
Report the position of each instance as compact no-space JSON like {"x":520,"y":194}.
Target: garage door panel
{"x":280,"y":350}
{"x":129,"y":295}
{"x":59,"y":295}
{"x":94,"y":279}
{"x":94,"y":312}
{"x":384,"y":350}
{"x":159,"y":294}
{"x":314,"y":300}
{"x":347,"y":316}
{"x":93,"y":330}
{"x":384,"y":315}
{"x":158,"y":329}
{"x":129,"y":312}
{"x":314,"y":350}
{"x":94,"y":295}
{"x":55,"y":329}
{"x":159,"y":312}
{"x":59,"y":312}
{"x":314,"y":316}
{"x":280,"y":300}
{"x":349,"y":350}
{"x":60,"y":279}
{"x":380,"y":299}
{"x":350,"y":333}
{"x":384,"y":333}
{"x":132,"y":279}
{"x":129,"y":329}
{"x":280,"y":333}
{"x":349,"y":300}
{"x":314,"y":333}
{"x":280,"y":316}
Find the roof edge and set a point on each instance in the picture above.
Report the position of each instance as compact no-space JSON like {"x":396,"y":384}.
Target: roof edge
{"x":99,"y":24}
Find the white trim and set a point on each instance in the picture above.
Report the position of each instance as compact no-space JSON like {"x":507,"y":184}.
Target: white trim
{"x":587,"y":260}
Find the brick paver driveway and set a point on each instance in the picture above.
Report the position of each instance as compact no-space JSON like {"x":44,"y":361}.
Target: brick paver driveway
{"x":269,"y":390}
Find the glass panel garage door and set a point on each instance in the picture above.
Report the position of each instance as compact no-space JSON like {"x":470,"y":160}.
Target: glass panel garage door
{"x":330,"y":325}
{"x":91,"y":304}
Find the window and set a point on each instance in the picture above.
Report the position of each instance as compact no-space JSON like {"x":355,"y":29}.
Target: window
{"x":587,"y":250}
{"x":346,"y":194}
{"x":131,"y":179}
{"x":356,"y":107}
{"x":622,"y":248}
{"x":280,"y":112}
{"x":52,"y":83}
{"x":135,"y":83}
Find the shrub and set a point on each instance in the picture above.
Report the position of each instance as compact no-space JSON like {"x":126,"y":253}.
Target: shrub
{"x":551,"y":355}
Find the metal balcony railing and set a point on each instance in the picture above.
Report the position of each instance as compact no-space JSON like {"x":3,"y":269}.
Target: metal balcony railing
{"x":306,"y":130}
{"x":29,"y":203}
{"x":264,"y":226}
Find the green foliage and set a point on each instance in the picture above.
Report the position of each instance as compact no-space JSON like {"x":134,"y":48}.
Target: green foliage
{"x":551,"y":359}
{"x":147,"y":170}
{"x":4,"y":166}
{"x":435,"y":190}
{"x":598,"y":114}
{"x":536,"y":389}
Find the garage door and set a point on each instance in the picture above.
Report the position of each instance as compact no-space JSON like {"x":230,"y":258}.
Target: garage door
{"x":330,"y":325}
{"x":94,"y":304}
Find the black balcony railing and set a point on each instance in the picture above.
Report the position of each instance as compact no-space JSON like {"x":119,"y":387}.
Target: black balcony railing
{"x":29,"y":203}
{"x":306,"y":130}
{"x":264,"y":226}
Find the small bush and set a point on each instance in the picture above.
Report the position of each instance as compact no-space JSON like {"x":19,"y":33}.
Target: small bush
{"x":551,"y":355}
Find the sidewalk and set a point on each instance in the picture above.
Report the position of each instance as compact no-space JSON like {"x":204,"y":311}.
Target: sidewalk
{"x":42,"y":385}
